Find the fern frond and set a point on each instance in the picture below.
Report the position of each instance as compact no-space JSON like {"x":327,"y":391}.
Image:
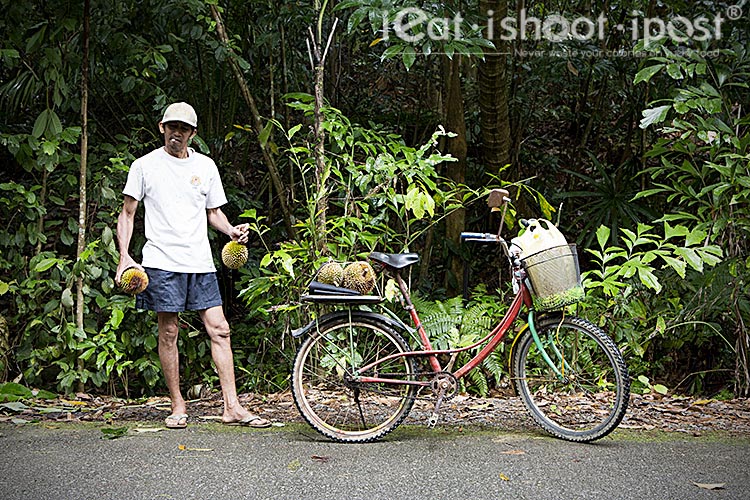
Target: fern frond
{"x":479,"y":382}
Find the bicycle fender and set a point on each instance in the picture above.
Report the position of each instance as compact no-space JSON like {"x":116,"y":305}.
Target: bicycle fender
{"x":299,"y":332}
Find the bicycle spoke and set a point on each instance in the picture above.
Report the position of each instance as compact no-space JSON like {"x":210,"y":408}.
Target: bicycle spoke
{"x":327,"y":389}
{"x":587,"y":396}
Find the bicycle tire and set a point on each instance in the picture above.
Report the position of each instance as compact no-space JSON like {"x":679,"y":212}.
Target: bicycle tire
{"x":328,"y":396}
{"x":591,"y":398}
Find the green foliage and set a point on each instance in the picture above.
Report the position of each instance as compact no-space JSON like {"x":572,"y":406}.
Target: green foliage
{"x":384,"y":180}
{"x":646,"y":260}
{"x":383,"y":194}
{"x":637,"y":258}
{"x":605,"y":198}
{"x":434,"y":28}
{"x":647,"y":386}
{"x":700,"y":165}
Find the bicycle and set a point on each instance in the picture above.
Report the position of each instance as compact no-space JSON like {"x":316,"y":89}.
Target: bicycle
{"x":355,"y":377}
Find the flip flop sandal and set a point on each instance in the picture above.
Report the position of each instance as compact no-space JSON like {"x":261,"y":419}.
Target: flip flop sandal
{"x":176,"y":421}
{"x":251,"y":421}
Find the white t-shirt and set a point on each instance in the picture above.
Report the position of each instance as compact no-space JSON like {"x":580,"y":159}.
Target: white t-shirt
{"x":176,"y":193}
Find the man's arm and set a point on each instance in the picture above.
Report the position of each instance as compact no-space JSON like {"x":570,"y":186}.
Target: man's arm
{"x":219,"y":221}
{"x":125,"y":223}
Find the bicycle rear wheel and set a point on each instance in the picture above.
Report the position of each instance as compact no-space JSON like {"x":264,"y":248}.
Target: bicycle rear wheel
{"x":325,"y":386}
{"x":585,"y":395}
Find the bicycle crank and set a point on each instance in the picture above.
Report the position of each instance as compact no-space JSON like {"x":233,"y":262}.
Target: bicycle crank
{"x":444,"y":385}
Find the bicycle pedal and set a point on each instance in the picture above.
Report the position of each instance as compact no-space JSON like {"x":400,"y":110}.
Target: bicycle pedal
{"x":432,"y":421}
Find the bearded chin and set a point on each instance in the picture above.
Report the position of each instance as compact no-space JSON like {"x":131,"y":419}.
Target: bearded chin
{"x":174,"y":147}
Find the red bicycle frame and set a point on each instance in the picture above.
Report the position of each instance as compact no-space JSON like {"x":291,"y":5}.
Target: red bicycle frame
{"x":522,"y":297}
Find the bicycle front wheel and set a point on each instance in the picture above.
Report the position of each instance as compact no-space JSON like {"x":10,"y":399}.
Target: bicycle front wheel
{"x":581,"y":391}
{"x":325,"y":380}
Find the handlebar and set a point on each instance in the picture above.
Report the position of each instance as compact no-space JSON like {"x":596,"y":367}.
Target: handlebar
{"x":497,"y":199}
{"x":482,"y":237}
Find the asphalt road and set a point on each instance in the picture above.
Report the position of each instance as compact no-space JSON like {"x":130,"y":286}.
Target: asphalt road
{"x":209,"y":461}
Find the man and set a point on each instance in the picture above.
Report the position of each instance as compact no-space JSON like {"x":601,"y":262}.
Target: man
{"x":182,"y":192}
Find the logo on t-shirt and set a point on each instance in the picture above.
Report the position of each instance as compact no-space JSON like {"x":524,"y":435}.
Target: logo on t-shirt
{"x":195,"y":180}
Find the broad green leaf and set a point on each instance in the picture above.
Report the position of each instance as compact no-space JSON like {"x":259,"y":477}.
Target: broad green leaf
{"x":67,"y":298}
{"x":674,"y":71}
{"x":117,"y":317}
{"x":408,"y":57}
{"x":711,"y":255}
{"x":649,"y":279}
{"x":202,"y":146}
{"x":54,"y":127}
{"x":678,"y":265}
{"x":654,"y":115}
{"x":15,"y":406}
{"x":15,"y":389}
{"x":391,"y":51}
{"x":661,"y":325}
{"x":265,"y":134}
{"x":695,"y":237}
{"x":602,"y":236}
{"x":45,"y":264}
{"x":42,"y":394}
{"x":114,"y":432}
{"x":294,"y":130}
{"x":40,"y":125}
{"x":647,"y":73}
{"x":660,"y":389}
{"x":671,"y":232}
{"x":691,"y":257}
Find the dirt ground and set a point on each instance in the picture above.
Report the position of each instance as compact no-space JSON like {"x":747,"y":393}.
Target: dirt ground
{"x":648,"y":412}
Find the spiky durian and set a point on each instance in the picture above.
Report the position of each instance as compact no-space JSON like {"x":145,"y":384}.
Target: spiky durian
{"x":331,"y":273}
{"x":133,"y":281}
{"x":234,"y":255}
{"x":359,"y":276}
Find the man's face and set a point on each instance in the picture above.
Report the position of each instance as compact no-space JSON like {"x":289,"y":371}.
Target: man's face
{"x":177,"y":136}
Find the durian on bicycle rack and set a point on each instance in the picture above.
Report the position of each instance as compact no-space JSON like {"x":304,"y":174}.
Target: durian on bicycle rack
{"x":344,"y":282}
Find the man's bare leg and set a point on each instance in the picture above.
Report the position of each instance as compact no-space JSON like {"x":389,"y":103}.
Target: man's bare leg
{"x":221,"y":351}
{"x":170,"y":359}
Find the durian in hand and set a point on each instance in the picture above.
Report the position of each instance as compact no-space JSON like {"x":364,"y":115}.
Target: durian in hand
{"x":234,"y":255}
{"x":331,"y":273}
{"x":133,"y":281}
{"x":359,"y":276}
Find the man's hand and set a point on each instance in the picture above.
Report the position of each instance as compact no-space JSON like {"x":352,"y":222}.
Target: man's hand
{"x":126,"y":261}
{"x":240,"y":233}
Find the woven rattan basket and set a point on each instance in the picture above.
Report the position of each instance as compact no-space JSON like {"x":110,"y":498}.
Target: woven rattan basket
{"x":555,"y":277}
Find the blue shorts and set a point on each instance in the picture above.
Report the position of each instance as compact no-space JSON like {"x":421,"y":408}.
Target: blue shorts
{"x":176,"y":292}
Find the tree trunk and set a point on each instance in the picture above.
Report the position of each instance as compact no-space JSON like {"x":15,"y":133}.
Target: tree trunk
{"x":257,"y":124}
{"x":456,"y":147}
{"x":82,"y":181}
{"x":493,"y":93}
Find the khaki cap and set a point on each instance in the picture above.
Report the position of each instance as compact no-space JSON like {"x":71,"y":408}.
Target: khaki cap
{"x":181,"y":112}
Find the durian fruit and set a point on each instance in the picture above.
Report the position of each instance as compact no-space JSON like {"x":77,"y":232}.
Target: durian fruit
{"x":331,"y":273}
{"x":234,"y":255}
{"x":359,"y":276}
{"x":133,"y":281}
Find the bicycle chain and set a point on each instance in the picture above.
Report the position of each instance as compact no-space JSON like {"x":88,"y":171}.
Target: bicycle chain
{"x":414,"y":376}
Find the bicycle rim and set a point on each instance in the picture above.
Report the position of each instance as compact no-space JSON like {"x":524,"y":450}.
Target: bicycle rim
{"x":328,"y":397}
{"x":585,"y":397}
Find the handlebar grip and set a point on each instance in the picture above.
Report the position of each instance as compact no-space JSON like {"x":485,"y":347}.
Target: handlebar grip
{"x":488,"y":237}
